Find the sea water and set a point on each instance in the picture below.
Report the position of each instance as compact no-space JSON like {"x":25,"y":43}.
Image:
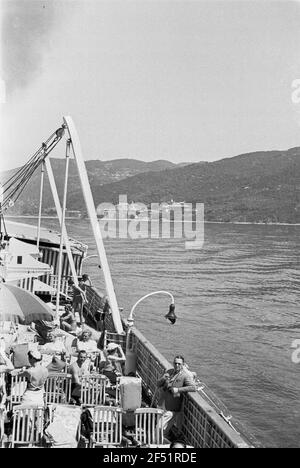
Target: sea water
{"x":237,"y":302}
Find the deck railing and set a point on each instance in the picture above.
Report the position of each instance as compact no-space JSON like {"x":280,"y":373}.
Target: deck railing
{"x":64,"y":288}
{"x":96,"y":302}
{"x":203,"y":426}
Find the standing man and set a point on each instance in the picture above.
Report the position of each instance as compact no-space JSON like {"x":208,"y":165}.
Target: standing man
{"x":174,"y":384}
{"x":79,"y":298}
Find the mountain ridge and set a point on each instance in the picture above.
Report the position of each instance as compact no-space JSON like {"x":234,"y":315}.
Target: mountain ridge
{"x":263,"y":186}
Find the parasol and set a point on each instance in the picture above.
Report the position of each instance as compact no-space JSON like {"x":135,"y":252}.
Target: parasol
{"x":20,"y":306}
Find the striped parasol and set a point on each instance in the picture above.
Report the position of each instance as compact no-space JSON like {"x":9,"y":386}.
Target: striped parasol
{"x":20,"y":306}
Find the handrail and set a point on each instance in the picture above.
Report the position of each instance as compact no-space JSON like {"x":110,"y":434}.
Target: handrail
{"x":198,"y":404}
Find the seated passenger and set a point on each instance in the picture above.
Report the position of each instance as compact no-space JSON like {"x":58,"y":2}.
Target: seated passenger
{"x":114,"y":359}
{"x":174,"y":384}
{"x":86,"y":343}
{"x":68,"y":320}
{"x":77,"y":370}
{"x":43,"y":327}
{"x":53,"y":345}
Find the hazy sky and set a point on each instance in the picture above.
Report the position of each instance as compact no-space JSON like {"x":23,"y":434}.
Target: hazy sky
{"x":178,"y":80}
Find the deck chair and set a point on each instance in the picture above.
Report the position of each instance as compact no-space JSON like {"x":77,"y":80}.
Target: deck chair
{"x":2,"y":418}
{"x":107,"y":426}
{"x":93,"y":390}
{"x":115,"y":338}
{"x":148,"y":426}
{"x":18,"y":387}
{"x":58,"y":389}
{"x":113,"y":390}
{"x":28,"y":425}
{"x":64,"y":426}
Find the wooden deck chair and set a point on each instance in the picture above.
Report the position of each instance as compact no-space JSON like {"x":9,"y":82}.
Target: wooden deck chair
{"x":18,"y":387}
{"x":115,"y":338}
{"x":148,"y":426}
{"x":28,"y":425}
{"x":118,"y":392}
{"x":93,"y":390}
{"x":2,"y":418}
{"x":58,"y":389}
{"x":107,"y":426}
{"x":113,"y":391}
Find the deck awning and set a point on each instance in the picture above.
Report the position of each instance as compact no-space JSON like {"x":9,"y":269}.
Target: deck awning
{"x":12,"y":270}
{"x":47,"y":236}
{"x":39,"y":286}
{"x":17,"y":247}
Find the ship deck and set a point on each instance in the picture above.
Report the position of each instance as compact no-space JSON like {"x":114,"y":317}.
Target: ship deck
{"x":202,"y":427}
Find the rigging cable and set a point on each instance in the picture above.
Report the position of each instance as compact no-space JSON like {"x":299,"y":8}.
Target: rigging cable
{"x":15,"y":185}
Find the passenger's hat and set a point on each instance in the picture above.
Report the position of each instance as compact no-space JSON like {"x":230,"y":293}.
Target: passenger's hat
{"x":34,"y":354}
{"x":112,"y":346}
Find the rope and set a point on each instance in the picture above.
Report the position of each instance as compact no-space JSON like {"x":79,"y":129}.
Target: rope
{"x":15,"y":185}
{"x":19,"y":172}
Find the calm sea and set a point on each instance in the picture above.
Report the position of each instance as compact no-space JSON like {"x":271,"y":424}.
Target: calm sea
{"x":237,"y":302}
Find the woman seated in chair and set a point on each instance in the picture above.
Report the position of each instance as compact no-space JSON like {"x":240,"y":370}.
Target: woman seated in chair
{"x":53,"y":345}
{"x":115,"y":358}
{"x":68,"y":321}
{"x":86,"y":343}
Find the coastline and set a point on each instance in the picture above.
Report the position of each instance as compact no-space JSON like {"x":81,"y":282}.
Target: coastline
{"x":205,"y":222}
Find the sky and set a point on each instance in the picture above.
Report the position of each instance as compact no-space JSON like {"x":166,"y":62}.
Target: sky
{"x":177,"y":80}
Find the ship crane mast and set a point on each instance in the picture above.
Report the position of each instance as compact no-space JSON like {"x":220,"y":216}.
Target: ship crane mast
{"x":15,"y":185}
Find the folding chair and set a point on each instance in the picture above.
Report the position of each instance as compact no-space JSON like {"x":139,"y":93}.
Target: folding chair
{"x":28,"y":425}
{"x":18,"y":387}
{"x":115,"y":338}
{"x":107,"y":426}
{"x":93,"y":390}
{"x":148,"y":426}
{"x":58,"y":389}
{"x":2,"y":419}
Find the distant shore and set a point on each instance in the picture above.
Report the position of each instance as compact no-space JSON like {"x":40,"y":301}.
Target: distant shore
{"x":43,"y":217}
{"x":206,"y":222}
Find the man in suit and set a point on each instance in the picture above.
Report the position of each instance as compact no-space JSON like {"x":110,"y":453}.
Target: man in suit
{"x":173,"y":385}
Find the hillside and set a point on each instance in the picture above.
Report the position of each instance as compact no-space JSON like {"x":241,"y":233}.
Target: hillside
{"x":253,"y":187}
{"x":99,"y":172}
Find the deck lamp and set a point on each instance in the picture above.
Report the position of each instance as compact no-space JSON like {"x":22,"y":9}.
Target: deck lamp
{"x":171,"y":314}
{"x":130,"y":365}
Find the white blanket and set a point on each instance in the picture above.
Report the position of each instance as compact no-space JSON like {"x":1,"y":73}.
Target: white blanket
{"x":63,"y":430}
